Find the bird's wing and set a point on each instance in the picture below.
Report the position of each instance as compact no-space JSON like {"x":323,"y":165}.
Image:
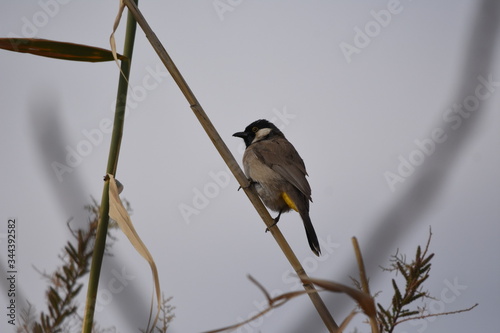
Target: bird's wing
{"x":280,"y":155}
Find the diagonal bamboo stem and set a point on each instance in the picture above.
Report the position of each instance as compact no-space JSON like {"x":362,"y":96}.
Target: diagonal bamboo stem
{"x":231,"y":162}
{"x":114,"y":151}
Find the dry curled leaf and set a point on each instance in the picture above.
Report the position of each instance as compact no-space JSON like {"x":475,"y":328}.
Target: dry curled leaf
{"x":118,"y":213}
{"x":364,"y":300}
{"x":58,"y":50}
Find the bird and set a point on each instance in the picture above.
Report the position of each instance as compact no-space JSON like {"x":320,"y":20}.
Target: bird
{"x":278,"y":174}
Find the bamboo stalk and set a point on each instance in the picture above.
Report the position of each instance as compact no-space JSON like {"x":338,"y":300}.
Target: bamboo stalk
{"x":114,"y":152}
{"x":231,"y":162}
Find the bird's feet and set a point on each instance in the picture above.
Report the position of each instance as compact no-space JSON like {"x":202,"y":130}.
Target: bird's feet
{"x":276,"y":220}
{"x":250,"y":183}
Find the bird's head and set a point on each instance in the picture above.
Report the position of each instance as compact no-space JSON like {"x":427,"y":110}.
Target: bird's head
{"x":258,"y":130}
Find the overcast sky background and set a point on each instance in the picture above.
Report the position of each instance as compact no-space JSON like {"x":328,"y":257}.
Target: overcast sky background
{"x":353,"y":118}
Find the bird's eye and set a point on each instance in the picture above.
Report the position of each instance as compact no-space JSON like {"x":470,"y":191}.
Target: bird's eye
{"x":255,"y":129}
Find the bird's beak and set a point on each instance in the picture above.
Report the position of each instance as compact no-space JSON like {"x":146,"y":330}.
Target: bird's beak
{"x":242,"y":135}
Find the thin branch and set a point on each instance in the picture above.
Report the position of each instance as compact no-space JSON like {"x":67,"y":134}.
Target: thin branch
{"x":272,"y":303}
{"x":438,"y":314}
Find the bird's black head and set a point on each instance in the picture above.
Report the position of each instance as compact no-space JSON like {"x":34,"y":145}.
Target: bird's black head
{"x":258,"y":130}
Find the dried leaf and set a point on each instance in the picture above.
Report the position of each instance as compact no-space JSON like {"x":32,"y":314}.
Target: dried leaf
{"x":408,"y":313}
{"x":364,"y":300}
{"x":118,"y":213}
{"x":112,"y":41}
{"x":76,"y":291}
{"x":396,"y":300}
{"x":419,"y":251}
{"x":383,"y":314}
{"x":426,"y":260}
{"x":71,"y":251}
{"x":402,"y":270}
{"x":58,"y":50}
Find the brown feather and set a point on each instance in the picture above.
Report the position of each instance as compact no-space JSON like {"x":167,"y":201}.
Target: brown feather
{"x":289,"y":165}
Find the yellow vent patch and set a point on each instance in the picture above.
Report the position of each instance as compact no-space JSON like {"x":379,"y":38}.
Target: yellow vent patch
{"x":289,"y":201}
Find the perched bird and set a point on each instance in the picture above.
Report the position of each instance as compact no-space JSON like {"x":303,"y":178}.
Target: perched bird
{"x":278,"y":173}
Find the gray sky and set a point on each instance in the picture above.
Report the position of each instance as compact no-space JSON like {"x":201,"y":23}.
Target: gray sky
{"x":392,"y":105}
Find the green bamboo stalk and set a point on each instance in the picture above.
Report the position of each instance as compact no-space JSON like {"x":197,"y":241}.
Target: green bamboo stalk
{"x":232,"y":164}
{"x":114,"y":152}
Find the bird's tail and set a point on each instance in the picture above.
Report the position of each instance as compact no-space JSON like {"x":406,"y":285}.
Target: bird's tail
{"x":311,"y":234}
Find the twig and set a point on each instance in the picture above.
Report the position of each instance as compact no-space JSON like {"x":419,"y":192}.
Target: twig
{"x":272,"y":303}
{"x":438,"y":314}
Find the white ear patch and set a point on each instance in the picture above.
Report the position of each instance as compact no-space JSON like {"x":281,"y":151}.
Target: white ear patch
{"x":260,"y":134}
